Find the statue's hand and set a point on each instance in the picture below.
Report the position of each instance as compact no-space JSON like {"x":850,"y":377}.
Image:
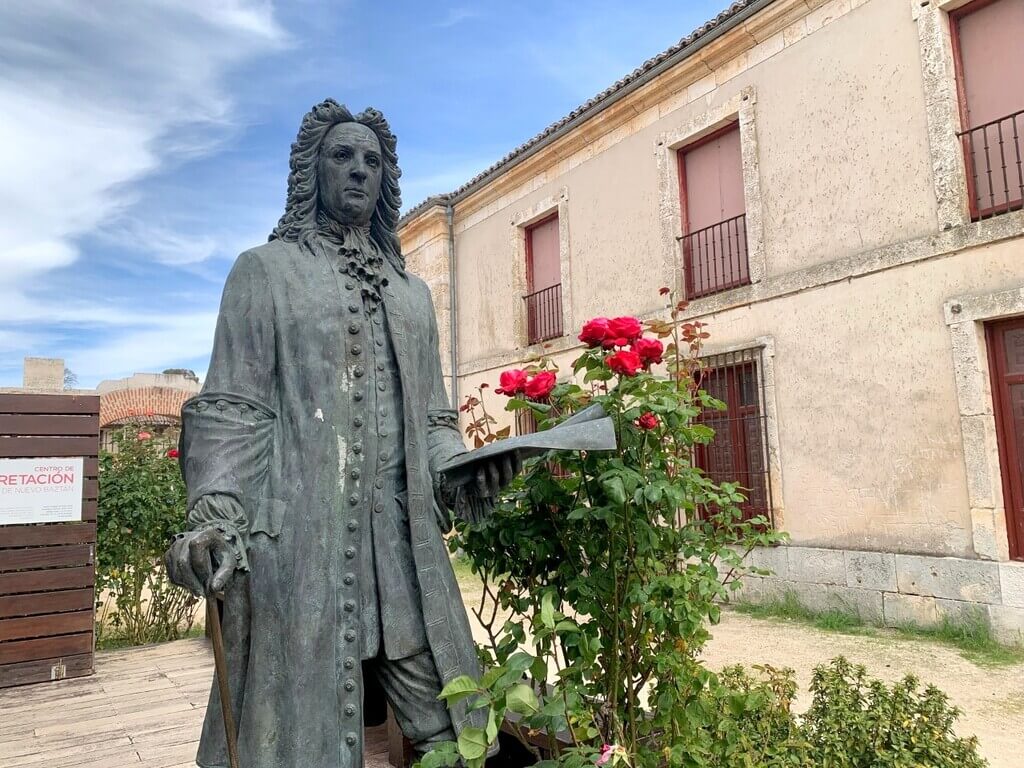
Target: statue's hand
{"x":491,"y":476}
{"x":201,"y":561}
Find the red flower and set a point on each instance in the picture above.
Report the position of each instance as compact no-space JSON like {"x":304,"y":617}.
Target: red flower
{"x":650,"y":351}
{"x":648,"y":421}
{"x":594,"y":331}
{"x":625,"y":362}
{"x":540,"y":385}
{"x":627,"y":328}
{"x":513,"y":382}
{"x":143,"y":436}
{"x":172,"y":453}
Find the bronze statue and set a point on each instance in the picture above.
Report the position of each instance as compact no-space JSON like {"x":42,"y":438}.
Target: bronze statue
{"x":311,"y":458}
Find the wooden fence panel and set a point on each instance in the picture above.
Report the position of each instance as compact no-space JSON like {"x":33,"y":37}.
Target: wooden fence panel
{"x":47,"y":570}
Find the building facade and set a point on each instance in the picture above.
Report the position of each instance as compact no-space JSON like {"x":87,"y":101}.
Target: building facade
{"x":836,"y":187}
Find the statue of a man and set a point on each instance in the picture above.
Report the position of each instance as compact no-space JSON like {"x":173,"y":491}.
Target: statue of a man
{"x":311,"y":459}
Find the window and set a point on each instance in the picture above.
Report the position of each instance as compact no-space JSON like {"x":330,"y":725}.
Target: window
{"x":543,"y":282}
{"x":714,"y":213}
{"x":1006,"y":360}
{"x":738,"y":452}
{"x":989,"y":59}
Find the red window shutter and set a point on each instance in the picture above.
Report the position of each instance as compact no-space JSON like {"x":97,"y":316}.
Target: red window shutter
{"x":544,"y":267}
{"x":991,"y":46}
{"x":989,"y":55}
{"x":714,"y":213}
{"x":544,"y":282}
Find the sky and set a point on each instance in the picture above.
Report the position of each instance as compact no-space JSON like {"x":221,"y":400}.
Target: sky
{"x":144,"y":143}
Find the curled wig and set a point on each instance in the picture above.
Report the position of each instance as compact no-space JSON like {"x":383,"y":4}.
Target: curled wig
{"x":299,"y":219}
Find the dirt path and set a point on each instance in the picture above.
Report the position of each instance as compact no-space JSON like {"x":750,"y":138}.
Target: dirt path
{"x":992,"y":698}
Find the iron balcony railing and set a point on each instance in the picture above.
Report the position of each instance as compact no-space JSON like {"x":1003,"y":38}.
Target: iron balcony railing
{"x":715,"y":258}
{"x":995,"y":172}
{"x":544,"y":314}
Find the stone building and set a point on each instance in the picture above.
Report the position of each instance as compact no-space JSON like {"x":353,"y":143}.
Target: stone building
{"x":836,"y":187}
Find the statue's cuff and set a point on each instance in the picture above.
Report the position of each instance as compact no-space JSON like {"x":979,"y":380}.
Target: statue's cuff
{"x":225,"y":514}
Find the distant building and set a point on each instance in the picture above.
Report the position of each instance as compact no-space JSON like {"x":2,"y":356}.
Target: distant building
{"x":836,"y":187}
{"x":148,"y":400}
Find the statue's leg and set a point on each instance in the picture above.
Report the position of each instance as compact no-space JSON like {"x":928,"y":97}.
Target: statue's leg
{"x":412,"y":686}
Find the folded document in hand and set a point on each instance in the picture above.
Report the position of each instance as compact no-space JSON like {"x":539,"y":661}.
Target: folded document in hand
{"x":589,"y":430}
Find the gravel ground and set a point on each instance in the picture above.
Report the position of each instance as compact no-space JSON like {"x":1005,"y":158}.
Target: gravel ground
{"x":991,"y":698}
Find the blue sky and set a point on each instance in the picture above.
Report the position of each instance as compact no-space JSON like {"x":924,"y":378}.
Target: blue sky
{"x":144,"y":143}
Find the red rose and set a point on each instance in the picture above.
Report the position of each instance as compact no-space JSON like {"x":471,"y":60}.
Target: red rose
{"x":650,"y":351}
{"x":540,"y":385}
{"x":627,"y":328}
{"x":648,"y":421}
{"x":594,"y":332}
{"x":513,"y":382}
{"x":143,"y":436}
{"x":172,"y":453}
{"x":625,"y":362}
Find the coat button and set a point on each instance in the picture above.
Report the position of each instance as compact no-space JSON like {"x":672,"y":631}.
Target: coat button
{"x":359,"y":371}
{"x":353,"y":307}
{"x":357,"y":421}
{"x":353,"y":525}
{"x":350,"y":635}
{"x":383,"y":456}
{"x":378,"y":483}
{"x":349,"y":579}
{"x":350,"y":605}
{"x":349,"y":286}
{"x":353,"y":328}
{"x":378,"y":507}
{"x":350,"y":552}
{"x":351,"y":739}
{"x":350,"y":685}
{"x":355,"y":349}
{"x":357,"y":396}
{"x":381,"y":386}
{"x":350,"y":710}
{"x":357,"y":448}
{"x":354,"y":474}
{"x":350,"y":663}
{"x":353,"y":499}
{"x":380,"y":366}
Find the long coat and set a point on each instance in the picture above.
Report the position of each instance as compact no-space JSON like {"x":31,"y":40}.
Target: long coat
{"x":273,"y":428}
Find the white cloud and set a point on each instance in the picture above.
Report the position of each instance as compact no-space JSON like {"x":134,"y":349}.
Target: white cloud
{"x":97,"y":96}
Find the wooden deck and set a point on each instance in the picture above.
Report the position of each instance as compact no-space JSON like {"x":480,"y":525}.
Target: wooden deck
{"x":143,"y":707}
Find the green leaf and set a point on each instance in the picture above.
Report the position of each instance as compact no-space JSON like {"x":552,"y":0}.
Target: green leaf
{"x":615,"y":490}
{"x":491,"y":732}
{"x":522,"y":700}
{"x":459,"y":688}
{"x":473,"y":743}
{"x":547,"y":610}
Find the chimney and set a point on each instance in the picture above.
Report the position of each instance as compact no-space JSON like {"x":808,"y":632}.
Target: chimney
{"x":44,"y":373}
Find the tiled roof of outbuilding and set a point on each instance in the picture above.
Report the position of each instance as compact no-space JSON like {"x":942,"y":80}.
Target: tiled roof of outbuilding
{"x":592,"y":105}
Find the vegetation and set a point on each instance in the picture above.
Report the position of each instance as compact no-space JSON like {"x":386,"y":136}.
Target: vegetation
{"x":141,"y":507}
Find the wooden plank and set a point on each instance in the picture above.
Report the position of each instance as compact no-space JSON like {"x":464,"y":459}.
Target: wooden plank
{"x":46,"y":534}
{"x":36,"y":603}
{"x":87,"y":425}
{"x":46,"y":447}
{"x":89,"y":511}
{"x":64,"y":556}
{"x":45,"y":626}
{"x":45,"y":670}
{"x":90,"y":488}
{"x":57,"y":404}
{"x":41,"y":581}
{"x":91,"y":467}
{"x":45,"y":648}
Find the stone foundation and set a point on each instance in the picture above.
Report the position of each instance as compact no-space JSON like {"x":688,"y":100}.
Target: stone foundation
{"x":892,"y":590}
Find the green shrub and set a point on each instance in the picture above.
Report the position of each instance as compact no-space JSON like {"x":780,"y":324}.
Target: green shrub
{"x":141,"y":506}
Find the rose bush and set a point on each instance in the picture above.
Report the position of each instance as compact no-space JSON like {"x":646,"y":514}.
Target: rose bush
{"x":611,"y":565}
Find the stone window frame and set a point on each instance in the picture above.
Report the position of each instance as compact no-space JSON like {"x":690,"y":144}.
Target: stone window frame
{"x":942,"y":110}
{"x":773,"y":446}
{"x":521,"y":222}
{"x":966,"y":317}
{"x":740,"y":109}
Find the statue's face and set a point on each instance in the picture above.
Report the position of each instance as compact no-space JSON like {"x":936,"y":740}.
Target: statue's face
{"x":349,"y":173}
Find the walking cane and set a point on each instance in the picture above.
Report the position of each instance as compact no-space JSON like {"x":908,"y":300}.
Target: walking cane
{"x":213,"y":622}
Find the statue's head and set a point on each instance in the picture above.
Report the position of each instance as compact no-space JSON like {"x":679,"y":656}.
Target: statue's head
{"x":344,"y":167}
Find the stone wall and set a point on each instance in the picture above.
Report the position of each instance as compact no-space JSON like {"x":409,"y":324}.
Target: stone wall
{"x":893,"y":590}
